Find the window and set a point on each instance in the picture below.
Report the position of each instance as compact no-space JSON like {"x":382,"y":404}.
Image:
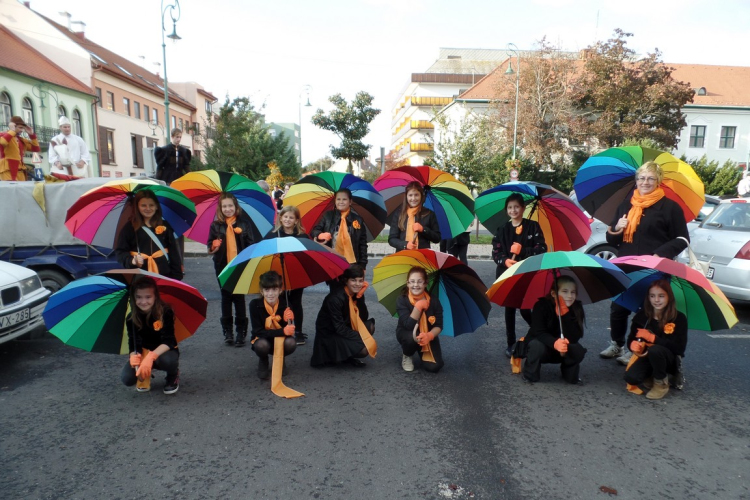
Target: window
{"x":145,"y":112}
{"x":126,"y":104}
{"x":98,"y":96}
{"x":181,"y":127}
{"x":137,"y":110}
{"x":174,"y":122}
{"x":154,"y":116}
{"x":136,"y":149}
{"x":61,"y":111}
{"x":726,"y":140}
{"x":107,"y":145}
{"x":208,"y":106}
{"x":27,"y":112}
{"x":111,"y":145}
{"x":77,"y":129}
{"x":110,"y":101}
{"x":197,"y":127}
{"x":697,"y":136}
{"x":6,"y":112}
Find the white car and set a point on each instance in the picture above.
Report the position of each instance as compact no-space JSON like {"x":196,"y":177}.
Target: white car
{"x":22,"y":300}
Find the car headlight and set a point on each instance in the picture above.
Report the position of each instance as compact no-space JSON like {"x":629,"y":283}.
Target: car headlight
{"x":30,"y":284}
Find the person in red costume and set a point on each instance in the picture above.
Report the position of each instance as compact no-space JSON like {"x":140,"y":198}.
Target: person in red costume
{"x":14,"y":143}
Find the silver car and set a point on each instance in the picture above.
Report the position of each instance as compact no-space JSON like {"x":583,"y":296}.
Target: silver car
{"x":22,"y":300}
{"x":723,"y":240}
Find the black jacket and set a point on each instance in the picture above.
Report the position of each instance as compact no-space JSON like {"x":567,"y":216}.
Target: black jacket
{"x":171,"y":166}
{"x":661,"y":224}
{"x":406,"y":322}
{"x":330,"y":223}
{"x":675,"y":341}
{"x":149,"y":338}
{"x":334,"y":317}
{"x":545,"y":326}
{"x":132,"y":241}
{"x":218,"y":231}
{"x":431,"y":233}
{"x":531,"y":240}
{"x":258,"y":317}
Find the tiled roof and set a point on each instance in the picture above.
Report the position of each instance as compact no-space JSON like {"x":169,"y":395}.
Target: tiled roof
{"x":120,"y":67}
{"x":208,"y":94}
{"x":20,"y":57}
{"x":725,"y":85}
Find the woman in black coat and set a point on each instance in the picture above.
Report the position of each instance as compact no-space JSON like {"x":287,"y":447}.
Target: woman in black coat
{"x":338,"y":333}
{"x":413,"y":226}
{"x":352,"y":241}
{"x":647,"y":224}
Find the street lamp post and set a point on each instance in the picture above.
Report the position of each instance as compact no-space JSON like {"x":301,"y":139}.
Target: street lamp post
{"x":513,"y":49}
{"x":174,"y":13}
{"x":305,"y":90}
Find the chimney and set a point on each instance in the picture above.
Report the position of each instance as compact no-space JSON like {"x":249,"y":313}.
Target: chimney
{"x":81,"y":31}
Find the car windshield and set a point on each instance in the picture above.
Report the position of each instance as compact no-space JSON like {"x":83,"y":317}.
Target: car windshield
{"x":731,"y":216}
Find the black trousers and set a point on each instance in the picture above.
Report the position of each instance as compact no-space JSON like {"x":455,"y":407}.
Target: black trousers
{"x":168,"y":362}
{"x":618,"y":323}
{"x":657,"y":363}
{"x":409,"y":346}
{"x":510,"y":322}
{"x":539,"y":353}
{"x":227,"y":299}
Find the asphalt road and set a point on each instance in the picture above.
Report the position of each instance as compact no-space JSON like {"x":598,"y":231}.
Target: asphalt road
{"x":70,"y":430}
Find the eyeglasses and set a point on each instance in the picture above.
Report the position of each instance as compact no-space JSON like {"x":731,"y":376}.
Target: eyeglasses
{"x":645,"y":179}
{"x":420,"y":282}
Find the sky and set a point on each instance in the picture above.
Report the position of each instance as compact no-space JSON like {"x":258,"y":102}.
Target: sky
{"x":271,"y":50}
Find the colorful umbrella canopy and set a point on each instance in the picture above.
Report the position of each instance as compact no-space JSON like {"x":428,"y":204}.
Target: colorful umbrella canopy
{"x":99,"y":214}
{"x":607,"y":179}
{"x":449,"y":198}
{"x":456,"y":285}
{"x":204,"y":188}
{"x":564,"y":225}
{"x":527,"y":281}
{"x":700,"y":300}
{"x":314,"y":195}
{"x":90,"y":313}
{"x":301,"y":262}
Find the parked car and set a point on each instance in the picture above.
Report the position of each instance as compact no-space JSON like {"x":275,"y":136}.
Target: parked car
{"x":723,"y":240}
{"x":22,"y":300}
{"x":708,"y":206}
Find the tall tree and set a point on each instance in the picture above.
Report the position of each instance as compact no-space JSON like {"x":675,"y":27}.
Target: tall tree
{"x":319,"y":165}
{"x":619,"y":97}
{"x":351,"y":123}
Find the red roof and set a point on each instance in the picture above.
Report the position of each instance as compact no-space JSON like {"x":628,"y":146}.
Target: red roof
{"x":20,"y":57}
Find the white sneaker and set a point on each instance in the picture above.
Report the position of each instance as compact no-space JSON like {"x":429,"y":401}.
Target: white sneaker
{"x":406,"y":363}
{"x":612,"y":351}
{"x":625,"y":356}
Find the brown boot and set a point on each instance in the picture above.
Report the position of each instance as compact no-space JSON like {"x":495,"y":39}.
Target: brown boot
{"x":648,"y":383}
{"x":660,"y":389}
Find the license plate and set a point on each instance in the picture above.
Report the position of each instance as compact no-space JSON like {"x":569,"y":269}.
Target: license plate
{"x":13,"y":318}
{"x":710,"y":273}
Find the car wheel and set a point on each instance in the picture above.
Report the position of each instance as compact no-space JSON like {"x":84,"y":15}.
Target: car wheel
{"x":606,"y":252}
{"x":53,"y":280}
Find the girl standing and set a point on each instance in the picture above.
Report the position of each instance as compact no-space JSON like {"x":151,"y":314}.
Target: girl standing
{"x":413,"y":226}
{"x":343,"y":230}
{"x":228,"y":236}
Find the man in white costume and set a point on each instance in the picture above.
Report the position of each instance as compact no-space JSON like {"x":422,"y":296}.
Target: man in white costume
{"x":68,"y":153}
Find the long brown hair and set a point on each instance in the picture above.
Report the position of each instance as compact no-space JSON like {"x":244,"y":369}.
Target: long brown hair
{"x":289,"y":208}
{"x":577,"y":308}
{"x":403,"y":217}
{"x":157,"y":311}
{"x":237,"y":210}
{"x":137,"y":219}
{"x":670,"y":312}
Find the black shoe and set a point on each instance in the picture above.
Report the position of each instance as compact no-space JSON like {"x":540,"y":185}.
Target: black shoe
{"x":228,"y":338}
{"x":240,"y":340}
{"x":264,"y":370}
{"x":509,"y":352}
{"x":301,"y":338}
{"x":523,"y":377}
{"x":356,"y":362}
{"x":172,"y":386}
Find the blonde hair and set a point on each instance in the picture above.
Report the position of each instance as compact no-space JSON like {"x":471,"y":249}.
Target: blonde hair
{"x":651,"y":166}
{"x":290,"y":208}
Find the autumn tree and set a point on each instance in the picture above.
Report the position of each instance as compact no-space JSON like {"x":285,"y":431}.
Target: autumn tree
{"x":351,"y":123}
{"x":619,"y":97}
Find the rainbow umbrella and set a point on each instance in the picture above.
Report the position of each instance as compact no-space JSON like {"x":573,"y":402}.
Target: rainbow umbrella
{"x":607,"y":179}
{"x":564,"y":225}
{"x":314,"y":195}
{"x":525,"y":282}
{"x":100,"y":213}
{"x":90,"y":313}
{"x":457,"y":286}
{"x":204,"y":188}
{"x":449,"y":198}
{"x":699,"y":299}
{"x":301,"y":262}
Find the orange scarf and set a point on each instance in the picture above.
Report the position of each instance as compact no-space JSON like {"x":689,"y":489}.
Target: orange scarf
{"x":424,"y":325}
{"x":273,"y":323}
{"x":410,"y":234}
{"x":151,"y":259}
{"x":370,"y":344}
{"x":344,"y":241}
{"x":638,"y":203}
{"x":230,"y":238}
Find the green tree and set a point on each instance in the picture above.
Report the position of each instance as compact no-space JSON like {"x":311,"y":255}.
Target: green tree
{"x":319,"y":165}
{"x":619,"y":97}
{"x":717,"y":181}
{"x":351,"y":123}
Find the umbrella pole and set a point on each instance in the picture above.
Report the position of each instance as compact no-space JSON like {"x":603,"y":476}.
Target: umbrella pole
{"x":556,"y":275}
{"x":283,"y":282}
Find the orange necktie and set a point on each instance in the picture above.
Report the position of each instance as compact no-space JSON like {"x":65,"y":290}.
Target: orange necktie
{"x":411,"y":236}
{"x":344,"y":241}
{"x":230,"y":239}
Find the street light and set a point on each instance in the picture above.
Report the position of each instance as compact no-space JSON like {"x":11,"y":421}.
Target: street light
{"x":174,"y":13}
{"x":305,"y":90}
{"x":513,"y":49}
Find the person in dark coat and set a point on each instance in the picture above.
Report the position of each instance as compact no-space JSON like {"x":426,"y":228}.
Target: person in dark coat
{"x":412,"y":225}
{"x":648,"y":224}
{"x":658,"y":335}
{"x":343,"y":331}
{"x":228,"y":235}
{"x":172,"y":160}
{"x":458,"y":246}
{"x":343,"y":230}
{"x":270,"y":318}
{"x":151,"y":340}
{"x":545,"y":344}
{"x":288,"y":224}
{"x":148,"y":241}
{"x":516,"y":240}
{"x":420,"y":321}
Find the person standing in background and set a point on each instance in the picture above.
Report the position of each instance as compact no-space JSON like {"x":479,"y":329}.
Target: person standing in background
{"x":172,"y":160}
{"x":12,"y":148}
{"x":68,"y":153}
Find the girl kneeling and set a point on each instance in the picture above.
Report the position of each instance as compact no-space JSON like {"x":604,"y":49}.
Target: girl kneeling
{"x":420,"y":321}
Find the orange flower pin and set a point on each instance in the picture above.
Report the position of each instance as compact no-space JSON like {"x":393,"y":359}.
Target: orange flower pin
{"x":160,"y":229}
{"x":157,"y":325}
{"x":669,"y":328}
{"x":237,"y":230}
{"x":356,"y":225}
{"x":431,"y":319}
{"x":519,"y":229}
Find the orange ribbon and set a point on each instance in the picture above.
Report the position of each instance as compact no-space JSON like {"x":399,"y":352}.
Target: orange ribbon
{"x":344,"y":241}
{"x":410,"y":234}
{"x":277,"y":386}
{"x":423,"y":325}
{"x":151,"y":259}
{"x":370,"y":344}
{"x":230,"y":239}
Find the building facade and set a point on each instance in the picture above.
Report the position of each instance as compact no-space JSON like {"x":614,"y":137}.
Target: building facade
{"x":292,"y":132}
